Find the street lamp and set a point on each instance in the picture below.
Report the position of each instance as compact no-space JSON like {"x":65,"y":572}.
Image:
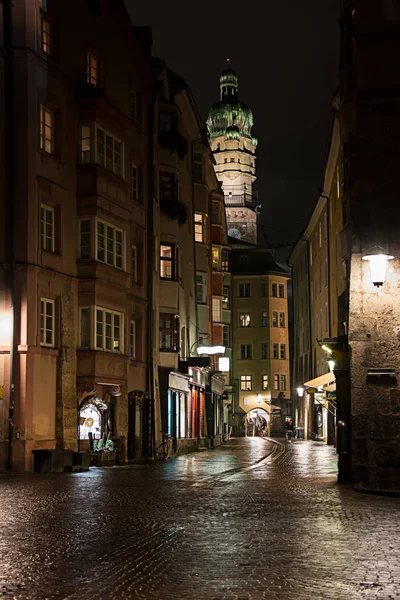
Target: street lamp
{"x":377,"y":259}
{"x":300,"y":391}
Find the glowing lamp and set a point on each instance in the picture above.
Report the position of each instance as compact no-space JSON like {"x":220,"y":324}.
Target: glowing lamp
{"x":259,"y":398}
{"x":223,"y":364}
{"x":377,"y":266}
{"x":211,"y":350}
{"x":331,"y":364}
{"x":5,"y":329}
{"x":300,"y":391}
{"x":326,"y":348}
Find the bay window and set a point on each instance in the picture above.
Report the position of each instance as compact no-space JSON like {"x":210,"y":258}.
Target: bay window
{"x":99,"y":146}
{"x":109,"y":332}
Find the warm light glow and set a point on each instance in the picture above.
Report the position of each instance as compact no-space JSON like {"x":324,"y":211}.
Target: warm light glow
{"x":223,"y":364}
{"x":300,"y":391}
{"x":331,"y":364}
{"x":211,"y":350}
{"x":5,"y":329}
{"x":377,"y":266}
{"x":326,"y":348}
{"x":259,"y":398}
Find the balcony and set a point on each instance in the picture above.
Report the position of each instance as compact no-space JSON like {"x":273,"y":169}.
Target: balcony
{"x":240,"y":195}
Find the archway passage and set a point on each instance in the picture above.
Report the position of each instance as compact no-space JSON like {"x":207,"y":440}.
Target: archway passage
{"x":257,"y":422}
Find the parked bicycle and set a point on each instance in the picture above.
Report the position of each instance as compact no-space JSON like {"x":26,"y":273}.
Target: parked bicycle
{"x":165,"y":448}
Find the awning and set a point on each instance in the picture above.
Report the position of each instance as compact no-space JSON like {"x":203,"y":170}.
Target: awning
{"x":323,"y":380}
{"x":331,"y":387}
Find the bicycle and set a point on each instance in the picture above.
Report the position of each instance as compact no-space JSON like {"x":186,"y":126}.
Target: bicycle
{"x":165,"y":447}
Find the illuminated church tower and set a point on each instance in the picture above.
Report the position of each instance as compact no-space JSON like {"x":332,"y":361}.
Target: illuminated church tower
{"x":229,"y":126}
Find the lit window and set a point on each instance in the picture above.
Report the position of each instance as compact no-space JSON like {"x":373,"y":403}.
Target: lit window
{"x":45,"y":35}
{"x":201,"y":287}
{"x":276,"y":382}
{"x":274,"y":319}
{"x":47,"y":228}
{"x":281,"y":319}
{"x":108,"y":330}
{"x":109,"y":152}
{"x":168,"y":334}
{"x":281,"y":291}
{"x":245,"y":351}
{"x":134,"y":263}
{"x":86,"y":145}
{"x":244,"y":290}
{"x":84,"y":238}
{"x":109,"y":241}
{"x":47,"y":323}
{"x":216,"y":310}
{"x":275,"y":351}
{"x":215,"y":259}
{"x":132,"y":340}
{"x":265,"y":382}
{"x":199,"y":227}
{"x":93,"y":69}
{"x":245,"y":383}
{"x":264,"y":319}
{"x":46,"y":129}
{"x":282,"y":352}
{"x":224,"y":260}
{"x":168,"y":262}
{"x":282,"y":383}
{"x":198,"y":168}
{"x":244,"y":320}
{"x":264,"y":351}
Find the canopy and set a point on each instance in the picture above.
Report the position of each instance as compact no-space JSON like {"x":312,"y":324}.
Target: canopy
{"x":322,"y":380}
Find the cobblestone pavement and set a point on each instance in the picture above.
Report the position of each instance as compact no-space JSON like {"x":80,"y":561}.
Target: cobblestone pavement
{"x":254,"y":519}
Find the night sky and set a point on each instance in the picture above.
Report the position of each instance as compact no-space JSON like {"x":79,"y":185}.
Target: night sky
{"x":286,"y":57}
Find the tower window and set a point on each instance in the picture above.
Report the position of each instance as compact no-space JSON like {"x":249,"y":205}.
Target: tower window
{"x":232,"y":160}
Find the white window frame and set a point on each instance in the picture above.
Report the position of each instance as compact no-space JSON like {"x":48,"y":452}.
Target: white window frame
{"x":265,"y":382}
{"x":199,"y":227}
{"x":134,"y":263}
{"x":44,"y":210}
{"x":101,"y":159}
{"x":46,"y":129}
{"x":89,"y":233}
{"x":282,"y":382}
{"x":217,"y":310}
{"x":113,"y":338}
{"x":245,"y":322}
{"x":44,"y":303}
{"x":132,"y":340}
{"x":201,"y":284}
{"x":245,"y":381}
{"x":115,"y":229}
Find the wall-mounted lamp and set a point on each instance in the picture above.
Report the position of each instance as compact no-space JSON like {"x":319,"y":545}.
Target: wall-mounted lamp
{"x":326,"y":349}
{"x":331,"y":364}
{"x":259,"y":398}
{"x":211,"y":350}
{"x":300,"y":391}
{"x":378,"y":258}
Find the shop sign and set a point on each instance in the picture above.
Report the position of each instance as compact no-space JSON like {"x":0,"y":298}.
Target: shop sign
{"x":311,"y":390}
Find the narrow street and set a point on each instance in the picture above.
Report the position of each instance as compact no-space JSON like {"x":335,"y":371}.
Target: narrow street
{"x":253,"y":519}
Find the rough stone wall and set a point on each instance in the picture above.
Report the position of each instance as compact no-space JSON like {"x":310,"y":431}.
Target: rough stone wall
{"x":238,"y":217}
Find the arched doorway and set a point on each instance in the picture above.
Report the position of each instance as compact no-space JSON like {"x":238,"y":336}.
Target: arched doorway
{"x":92,"y":421}
{"x":257,"y":422}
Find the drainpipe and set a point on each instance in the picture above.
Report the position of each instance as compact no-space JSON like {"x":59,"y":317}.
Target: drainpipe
{"x":9,"y":104}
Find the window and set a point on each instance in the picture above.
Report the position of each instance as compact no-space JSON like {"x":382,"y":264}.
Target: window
{"x":264,"y":319}
{"x":168,"y":187}
{"x":132,"y":340}
{"x":169,"y":262}
{"x":281,"y":291}
{"x":264,"y":351}
{"x":215,"y":259}
{"x":135,"y":183}
{"x":274,"y":290}
{"x":86,"y":154}
{"x":84,"y":238}
{"x":243,"y":259}
{"x":232,"y":160}
{"x":216,"y":213}
{"x":245,"y":351}
{"x":275,"y":351}
{"x":47,"y":323}
{"x":282,"y":383}
{"x":136,"y":105}
{"x":201,"y":287}
{"x":199,"y":227}
{"x":109,"y":152}
{"x":282,"y":352}
{"x":109,"y":243}
{"x":224,"y":260}
{"x":134,"y":263}
{"x":225,"y":336}
{"x":94,"y":69}
{"x":165,"y":121}
{"x":108,"y":330}
{"x":47,"y":228}
{"x":46,"y":129}
{"x":281,"y":319}
{"x":225,"y":299}
{"x":85,"y":328}
{"x":264,"y":289}
{"x":45,"y":35}
{"x":245,"y":383}
{"x":216,"y":310}
{"x":168,"y":334}
{"x":326,"y":318}
{"x":276,"y":382}
{"x":244,"y":320}
{"x":265,"y":382}
{"x":198,"y":168}
{"x":244,"y":290}
{"x":274,"y":319}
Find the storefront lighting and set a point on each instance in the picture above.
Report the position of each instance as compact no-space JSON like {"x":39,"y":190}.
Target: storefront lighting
{"x":331,"y":364}
{"x":300,"y":391}
{"x":326,"y":348}
{"x":5,"y":329}
{"x":211,"y":350}
{"x":377,"y":265}
{"x":223,"y":364}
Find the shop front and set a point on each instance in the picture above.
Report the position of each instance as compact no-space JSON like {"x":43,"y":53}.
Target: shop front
{"x":321,"y":390}
{"x":215,"y":409}
{"x":196,"y":405}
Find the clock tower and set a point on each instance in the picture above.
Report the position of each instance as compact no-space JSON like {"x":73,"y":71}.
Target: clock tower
{"x":229,"y":126}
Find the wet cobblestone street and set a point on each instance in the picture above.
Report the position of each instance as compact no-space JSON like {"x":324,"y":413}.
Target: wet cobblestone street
{"x":253,"y":519}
